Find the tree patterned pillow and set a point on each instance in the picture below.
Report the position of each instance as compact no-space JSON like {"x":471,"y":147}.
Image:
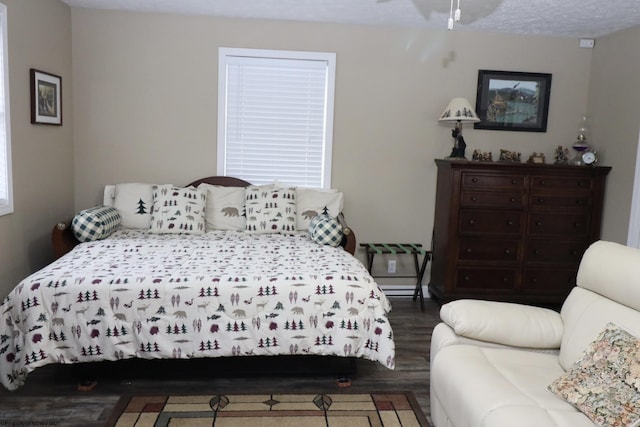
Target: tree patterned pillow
{"x":270,"y":209}
{"x":178,"y":210}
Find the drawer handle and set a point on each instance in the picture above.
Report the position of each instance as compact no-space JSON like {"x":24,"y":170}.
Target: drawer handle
{"x":579,"y":202}
{"x":513,"y":200}
{"x":507,"y":251}
{"x":474,"y":180}
{"x":538,"y":223}
{"x":534,"y":280}
{"x":467,"y":278}
{"x":505,"y":279}
{"x":474,"y":198}
{"x":509,"y":222}
{"x":536,"y":252}
{"x":580,"y":184}
{"x":577,"y":225}
{"x":514,"y":181}
{"x":574,"y":252}
{"x":469,"y":250}
{"x":471,"y":222}
{"x":541,"y":200}
{"x":542,"y":182}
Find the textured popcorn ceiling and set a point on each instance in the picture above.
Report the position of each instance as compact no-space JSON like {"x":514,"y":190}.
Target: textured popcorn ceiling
{"x":564,"y":18}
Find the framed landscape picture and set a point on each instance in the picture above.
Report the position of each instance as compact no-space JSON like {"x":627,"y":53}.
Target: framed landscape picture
{"x":511,"y":100}
{"x":46,"y":98}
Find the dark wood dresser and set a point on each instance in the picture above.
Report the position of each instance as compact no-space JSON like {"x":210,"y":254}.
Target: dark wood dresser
{"x":513,"y":232}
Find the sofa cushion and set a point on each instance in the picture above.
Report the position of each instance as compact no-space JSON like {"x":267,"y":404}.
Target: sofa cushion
{"x":585,"y":314}
{"x":604,"y":384}
{"x":619,"y":281}
{"x":504,"y":323}
{"x":496,"y":387}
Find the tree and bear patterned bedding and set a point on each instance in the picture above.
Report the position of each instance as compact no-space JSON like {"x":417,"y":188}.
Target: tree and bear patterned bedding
{"x":219,"y":293}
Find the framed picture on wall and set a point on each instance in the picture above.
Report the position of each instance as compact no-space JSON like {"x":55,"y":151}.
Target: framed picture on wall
{"x":46,"y":98}
{"x":512,"y":100}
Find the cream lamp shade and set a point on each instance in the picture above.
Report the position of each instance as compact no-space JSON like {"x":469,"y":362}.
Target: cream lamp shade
{"x":459,"y":110}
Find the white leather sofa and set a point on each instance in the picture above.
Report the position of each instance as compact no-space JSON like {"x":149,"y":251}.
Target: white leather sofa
{"x":491,"y":362}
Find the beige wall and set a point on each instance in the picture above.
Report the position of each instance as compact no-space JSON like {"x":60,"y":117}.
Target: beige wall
{"x":39,"y":36}
{"x":145,"y":99}
{"x":145,"y":104}
{"x":613,"y":104}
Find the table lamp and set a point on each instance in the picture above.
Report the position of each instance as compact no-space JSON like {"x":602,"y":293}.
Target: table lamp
{"x":458,"y":111}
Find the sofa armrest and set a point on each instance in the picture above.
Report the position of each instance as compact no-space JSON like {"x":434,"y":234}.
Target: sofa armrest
{"x":504,"y":323}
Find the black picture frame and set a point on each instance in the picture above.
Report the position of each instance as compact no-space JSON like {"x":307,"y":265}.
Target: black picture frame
{"x":513,"y":100}
{"x":46,"y":98}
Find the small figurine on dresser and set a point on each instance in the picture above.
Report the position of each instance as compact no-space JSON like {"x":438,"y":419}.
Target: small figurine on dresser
{"x":479,"y":156}
{"x":561,"y":156}
{"x":536,"y":158}
{"x":509,"y":156}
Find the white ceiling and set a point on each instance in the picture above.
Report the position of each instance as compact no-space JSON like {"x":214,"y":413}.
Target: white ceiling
{"x":564,"y":18}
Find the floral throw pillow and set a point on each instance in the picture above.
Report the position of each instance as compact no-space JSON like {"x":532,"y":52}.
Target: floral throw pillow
{"x":605,"y":383}
{"x":178,"y":210}
{"x":270,"y":209}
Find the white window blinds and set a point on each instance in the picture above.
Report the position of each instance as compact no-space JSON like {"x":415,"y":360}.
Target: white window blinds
{"x":6,"y":199}
{"x":276,"y":116}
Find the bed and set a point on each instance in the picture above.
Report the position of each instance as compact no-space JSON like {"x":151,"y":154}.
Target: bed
{"x":165,"y":294}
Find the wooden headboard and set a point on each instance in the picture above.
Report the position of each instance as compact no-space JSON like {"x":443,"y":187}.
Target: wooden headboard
{"x":63,"y":240}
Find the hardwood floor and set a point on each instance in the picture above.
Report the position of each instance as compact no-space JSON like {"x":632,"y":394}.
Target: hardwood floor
{"x":50,"y":394}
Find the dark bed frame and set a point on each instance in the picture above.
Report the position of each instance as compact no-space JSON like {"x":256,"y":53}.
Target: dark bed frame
{"x":63,"y":240}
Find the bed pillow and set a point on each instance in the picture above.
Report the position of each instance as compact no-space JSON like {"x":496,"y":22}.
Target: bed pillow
{"x":605,"y":383}
{"x":133,"y":201}
{"x":270,"y":209}
{"x":178,"y":210}
{"x":315,"y":201}
{"x":95,"y":223}
{"x":326,"y":230}
{"x":225,"y":207}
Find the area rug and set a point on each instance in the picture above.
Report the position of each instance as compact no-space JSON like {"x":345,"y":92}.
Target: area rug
{"x":271,"y":410}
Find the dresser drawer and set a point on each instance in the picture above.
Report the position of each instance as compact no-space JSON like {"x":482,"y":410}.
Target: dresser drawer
{"x":508,"y":200}
{"x":580,"y":201}
{"x":488,"y":250}
{"x":545,"y":281}
{"x":557,"y":252}
{"x":482,"y":279}
{"x":490,"y":222}
{"x":558,"y":224}
{"x":493,"y":181}
{"x":541,"y":183}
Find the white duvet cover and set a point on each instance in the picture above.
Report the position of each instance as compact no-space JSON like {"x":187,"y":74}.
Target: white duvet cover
{"x":144,"y":295}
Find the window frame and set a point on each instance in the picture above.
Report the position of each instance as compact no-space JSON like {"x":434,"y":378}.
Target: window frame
{"x":6,"y":205}
{"x":328,"y":57}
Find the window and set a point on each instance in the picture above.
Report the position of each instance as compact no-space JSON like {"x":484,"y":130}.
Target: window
{"x":6,"y":197}
{"x":275,"y":116}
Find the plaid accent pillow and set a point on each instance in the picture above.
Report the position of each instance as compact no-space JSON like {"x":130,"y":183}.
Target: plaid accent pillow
{"x":95,"y":223}
{"x":326,"y":230}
